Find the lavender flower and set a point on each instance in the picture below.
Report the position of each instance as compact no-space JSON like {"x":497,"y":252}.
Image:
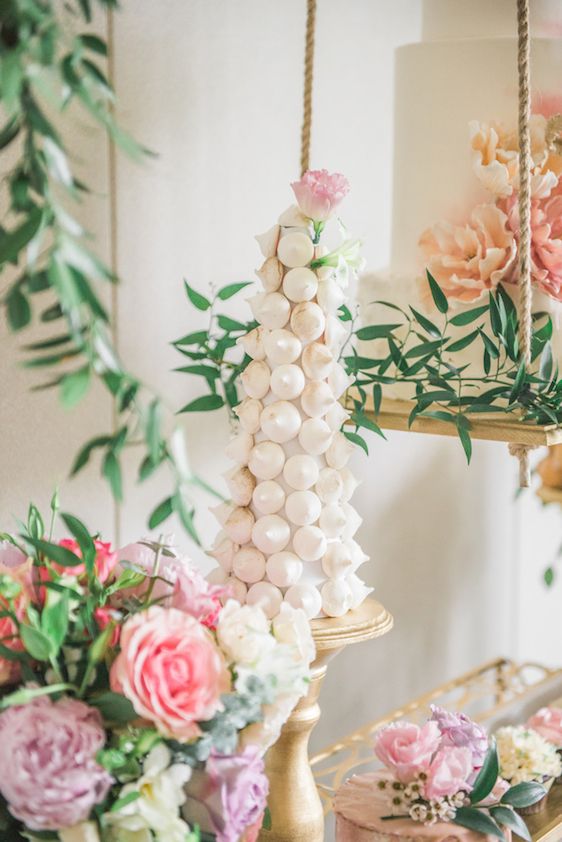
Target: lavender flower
{"x":458,"y":730}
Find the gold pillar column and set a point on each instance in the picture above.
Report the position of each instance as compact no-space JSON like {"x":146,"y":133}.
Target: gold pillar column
{"x":294,"y":803}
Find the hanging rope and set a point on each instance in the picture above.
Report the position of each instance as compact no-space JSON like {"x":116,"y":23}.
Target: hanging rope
{"x":521,"y":451}
{"x":308,"y":79}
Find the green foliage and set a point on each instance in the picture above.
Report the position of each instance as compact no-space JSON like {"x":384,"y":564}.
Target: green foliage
{"x":46,"y":64}
{"x":487,"y":776}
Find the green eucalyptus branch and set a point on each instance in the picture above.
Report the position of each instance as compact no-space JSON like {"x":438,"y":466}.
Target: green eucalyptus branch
{"x":46,"y":64}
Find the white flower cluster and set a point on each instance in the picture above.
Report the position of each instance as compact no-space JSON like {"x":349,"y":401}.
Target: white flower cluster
{"x":288,"y":536}
{"x":526,"y":756}
{"x":407,"y":799}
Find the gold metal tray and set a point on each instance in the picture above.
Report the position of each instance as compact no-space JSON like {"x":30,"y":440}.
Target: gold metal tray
{"x":500,"y":691}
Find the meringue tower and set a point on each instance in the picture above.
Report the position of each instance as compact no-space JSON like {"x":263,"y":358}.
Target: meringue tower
{"x":288,"y":534}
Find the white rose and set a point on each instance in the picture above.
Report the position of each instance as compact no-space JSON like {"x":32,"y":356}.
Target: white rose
{"x":84,"y":832}
{"x":243,"y":633}
{"x":292,"y":627}
{"x":263,"y":734}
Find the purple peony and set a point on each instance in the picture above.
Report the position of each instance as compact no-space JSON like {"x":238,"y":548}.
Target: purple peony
{"x":458,"y":730}
{"x":230,"y":796}
{"x":48,"y":772}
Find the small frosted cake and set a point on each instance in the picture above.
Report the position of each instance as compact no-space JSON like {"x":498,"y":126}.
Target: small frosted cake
{"x":359,"y":807}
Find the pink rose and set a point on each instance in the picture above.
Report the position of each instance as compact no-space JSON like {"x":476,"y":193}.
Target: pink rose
{"x":449,"y":772}
{"x":548,"y":722}
{"x":406,"y":749}
{"x":105,"y":616}
{"x":318,"y":193}
{"x":11,"y":556}
{"x":171,"y":669}
{"x":104,"y":563}
{"x":469,"y":260}
{"x":20,"y":572}
{"x":230,"y":796}
{"x":48,"y":770}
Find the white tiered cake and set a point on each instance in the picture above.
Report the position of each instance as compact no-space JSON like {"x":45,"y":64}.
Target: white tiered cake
{"x":455,"y":165}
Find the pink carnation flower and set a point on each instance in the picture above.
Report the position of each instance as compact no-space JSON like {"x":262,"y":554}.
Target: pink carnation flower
{"x":171,"y":670}
{"x":449,"y":772}
{"x":318,"y":193}
{"x":548,"y":722}
{"x":105,"y":559}
{"x":406,"y":749}
{"x":469,"y":260}
{"x":48,"y":772}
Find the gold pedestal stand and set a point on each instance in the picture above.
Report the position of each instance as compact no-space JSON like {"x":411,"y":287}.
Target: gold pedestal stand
{"x":294,"y":802}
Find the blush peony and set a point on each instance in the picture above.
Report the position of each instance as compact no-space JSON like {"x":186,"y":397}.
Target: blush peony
{"x":318,"y":193}
{"x":48,"y":772}
{"x":548,"y":723}
{"x":171,"y":670}
{"x":406,"y":748}
{"x":449,"y":772}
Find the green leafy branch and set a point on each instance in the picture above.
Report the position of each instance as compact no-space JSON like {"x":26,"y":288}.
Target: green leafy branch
{"x":46,"y":65}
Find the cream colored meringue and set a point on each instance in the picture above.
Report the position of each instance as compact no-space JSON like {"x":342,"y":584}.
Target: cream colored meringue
{"x":222,"y":512}
{"x":271,"y":534}
{"x":358,"y":589}
{"x":317,"y":361}
{"x":255,"y":379}
{"x":353,"y":521}
{"x":329,"y":485}
{"x":309,"y":543}
{"x":218,"y":576}
{"x":236,"y":589}
{"x":317,"y":398}
{"x":266,"y":460}
{"x":306,"y":597}
{"x":284,"y":569}
{"x":287,"y":381}
{"x":315,"y":436}
{"x":241,"y":483}
{"x":337,"y":560}
{"x":339,"y":452}
{"x":303,"y":507}
{"x":336,"y":416}
{"x":336,"y":598}
{"x":330,"y":296}
{"x":350,"y":484}
{"x":249,"y":412}
{"x":300,"y":471}
{"x":295,"y":249}
{"x":339,"y":380}
{"x":358,"y":557}
{"x":252,"y":343}
{"x":249,"y":565}
{"x":332,"y":520}
{"x":223,"y":551}
{"x":300,"y":285}
{"x":271,"y":309}
{"x":268,"y":240}
{"x":238,"y":525}
{"x":239,"y":447}
{"x":293,"y":217}
{"x":282,"y":347}
{"x":308,"y":321}
{"x":270,"y":274}
{"x":267,"y":596}
{"x":335,"y":334}
{"x":268,"y":497}
{"x":280,"y":421}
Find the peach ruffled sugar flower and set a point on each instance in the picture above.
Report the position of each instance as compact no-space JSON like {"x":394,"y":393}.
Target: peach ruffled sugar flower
{"x":471,"y":259}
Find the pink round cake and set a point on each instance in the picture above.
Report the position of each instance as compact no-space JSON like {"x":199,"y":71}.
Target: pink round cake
{"x":359,"y":807}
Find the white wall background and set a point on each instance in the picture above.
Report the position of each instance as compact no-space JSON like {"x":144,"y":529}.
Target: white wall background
{"x":214,"y":86}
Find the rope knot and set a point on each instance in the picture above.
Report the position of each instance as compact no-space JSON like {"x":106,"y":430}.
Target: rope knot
{"x":521,"y":452}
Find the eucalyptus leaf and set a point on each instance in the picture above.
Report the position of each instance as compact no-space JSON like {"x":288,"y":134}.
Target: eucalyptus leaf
{"x":206,"y":403}
{"x":524,"y":794}
{"x":196,"y":298}
{"x":231,"y":289}
{"x":439,"y":297}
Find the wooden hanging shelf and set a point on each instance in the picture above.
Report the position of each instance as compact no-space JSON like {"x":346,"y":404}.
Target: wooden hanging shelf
{"x":394,"y":415}
{"x":550,"y":495}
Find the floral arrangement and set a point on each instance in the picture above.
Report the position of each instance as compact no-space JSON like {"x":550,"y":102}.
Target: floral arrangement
{"x":448,"y":770}
{"x":526,"y":755}
{"x":547,"y":722}
{"x":470,"y":259}
{"x":137,"y":700}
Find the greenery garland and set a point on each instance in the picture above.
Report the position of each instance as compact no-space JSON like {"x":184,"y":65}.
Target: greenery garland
{"x":47,"y":64}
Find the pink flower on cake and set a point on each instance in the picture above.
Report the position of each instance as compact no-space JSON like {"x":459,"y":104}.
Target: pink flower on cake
{"x":318,"y":193}
{"x":48,"y":772}
{"x":546,"y":241}
{"x":407,"y":749}
{"x":548,"y":722}
{"x":469,"y":260}
{"x":230,"y":795}
{"x":171,"y":670}
{"x":449,"y":772}
{"x":105,"y":559}
{"x":459,"y":730}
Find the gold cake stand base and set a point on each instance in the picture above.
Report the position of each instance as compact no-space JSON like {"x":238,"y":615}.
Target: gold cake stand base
{"x":296,"y":810}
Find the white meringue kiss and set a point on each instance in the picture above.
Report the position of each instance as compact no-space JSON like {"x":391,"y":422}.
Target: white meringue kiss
{"x":306,"y":597}
{"x":218,"y":576}
{"x":317,"y":361}
{"x":300,"y":472}
{"x":332,"y":520}
{"x":353,"y":521}
{"x":268,"y":497}
{"x":266,"y":460}
{"x":282,"y":347}
{"x":249,"y":412}
{"x":295,"y":249}
{"x":337,"y":560}
{"x":239,"y":524}
{"x":329,"y":485}
{"x":339,"y":380}
{"x":317,"y":398}
{"x":336,"y":416}
{"x":252,"y":343}
{"x":271,"y":309}
{"x":350,"y":484}
{"x":271,"y":534}
{"x":223,"y":551}
{"x":241,"y":483}
{"x":239,"y":447}
{"x":330,"y":296}
{"x":267,"y":596}
{"x":284,"y":569}
{"x":293,"y":217}
{"x":309,"y":543}
{"x":255,"y":379}
{"x":336,"y":598}
{"x":268,"y":241}
{"x":280,"y":421}
{"x":270,"y":274}
{"x":236,"y":589}
{"x":287,"y":382}
{"x":339,"y":452}
{"x":315,"y":436}
{"x":359,"y":590}
{"x":249,"y":564}
{"x":335,"y":334}
{"x":303,"y":507}
{"x":300,"y":285}
{"x":308,"y":321}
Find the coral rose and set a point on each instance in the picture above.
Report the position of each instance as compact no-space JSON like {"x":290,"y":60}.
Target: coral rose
{"x":449,"y":772}
{"x":16,"y":573}
{"x":48,"y":772}
{"x":318,"y":193}
{"x":469,"y":260}
{"x":104,"y":563}
{"x":406,"y":749}
{"x":171,"y":670}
